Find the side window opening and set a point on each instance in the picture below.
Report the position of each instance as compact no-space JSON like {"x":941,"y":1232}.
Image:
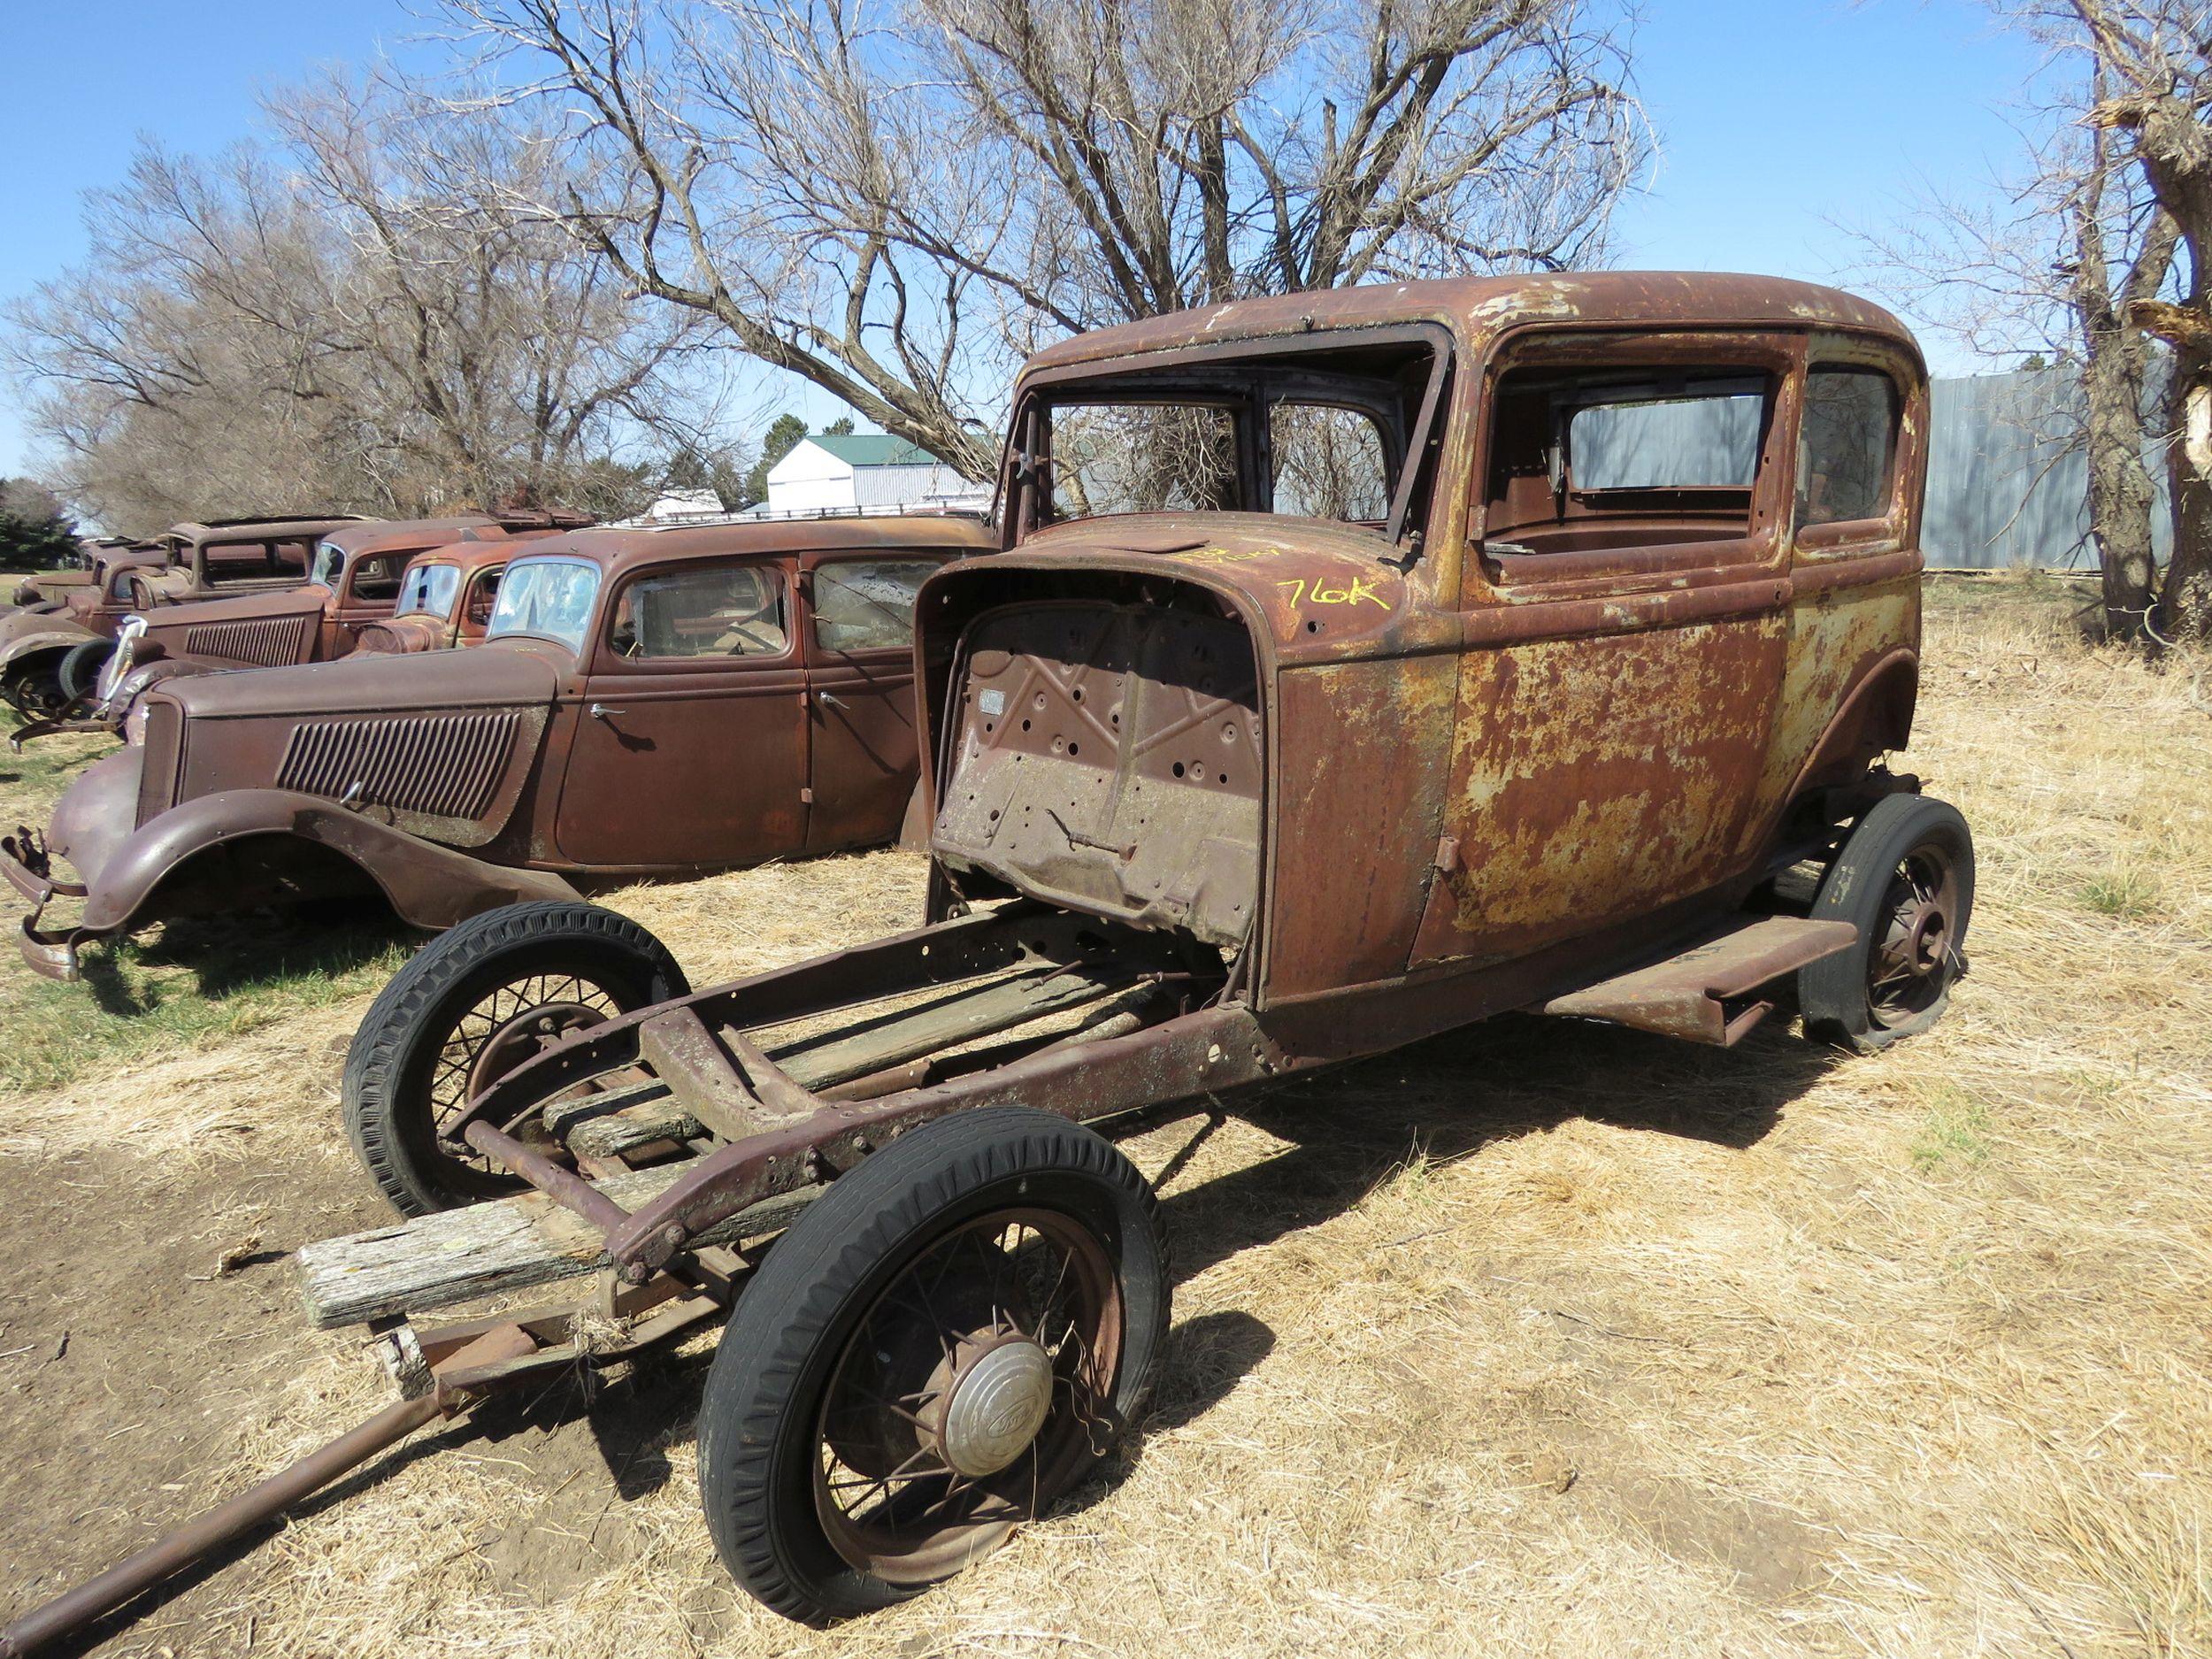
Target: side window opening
{"x":1602,"y":460}
{"x":1847,"y":446}
{"x":867,"y":605}
{"x":483,"y":596}
{"x":377,"y":577}
{"x":720,"y":611}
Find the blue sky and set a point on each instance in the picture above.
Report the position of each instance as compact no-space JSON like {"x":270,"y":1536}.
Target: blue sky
{"x":1779,"y":123}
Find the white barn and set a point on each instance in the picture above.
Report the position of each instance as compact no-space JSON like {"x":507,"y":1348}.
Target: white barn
{"x":865,"y":472}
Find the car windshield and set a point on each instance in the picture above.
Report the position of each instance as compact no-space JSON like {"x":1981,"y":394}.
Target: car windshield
{"x":551,"y":598}
{"x":429,"y":588}
{"x":330,"y":559}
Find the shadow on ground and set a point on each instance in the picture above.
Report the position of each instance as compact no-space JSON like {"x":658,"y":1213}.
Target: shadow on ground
{"x":1446,"y":1100}
{"x":248,"y":951}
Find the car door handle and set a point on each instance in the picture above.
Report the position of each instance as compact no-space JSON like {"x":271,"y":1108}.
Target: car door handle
{"x":600,"y":711}
{"x":831,"y":699}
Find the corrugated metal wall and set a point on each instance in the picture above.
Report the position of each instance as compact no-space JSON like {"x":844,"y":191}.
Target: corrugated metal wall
{"x":2003,"y":489}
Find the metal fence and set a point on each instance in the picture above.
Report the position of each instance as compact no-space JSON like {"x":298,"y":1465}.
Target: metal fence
{"x":2006,"y":485}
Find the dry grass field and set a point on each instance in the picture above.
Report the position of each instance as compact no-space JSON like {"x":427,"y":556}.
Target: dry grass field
{"x":1533,"y":1340}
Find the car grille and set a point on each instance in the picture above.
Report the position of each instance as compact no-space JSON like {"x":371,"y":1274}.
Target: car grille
{"x":442,"y":766}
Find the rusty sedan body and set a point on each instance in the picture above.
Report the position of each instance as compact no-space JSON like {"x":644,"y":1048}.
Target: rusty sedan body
{"x":648,"y":702}
{"x":50,"y":655}
{"x":441,"y":573}
{"x":1354,"y":667}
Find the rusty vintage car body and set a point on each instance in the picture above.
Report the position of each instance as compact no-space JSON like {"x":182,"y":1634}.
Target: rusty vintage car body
{"x":604,"y":728}
{"x":441,"y":572}
{"x":51,"y":652}
{"x":52,"y":588}
{"x":1355,"y":665}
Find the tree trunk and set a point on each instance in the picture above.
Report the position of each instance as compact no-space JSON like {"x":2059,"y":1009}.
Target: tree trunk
{"x":2185,"y":600}
{"x":2120,"y":491}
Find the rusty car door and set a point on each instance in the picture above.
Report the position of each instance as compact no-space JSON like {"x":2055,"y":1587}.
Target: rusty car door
{"x":1627,"y":626}
{"x":859,"y":624}
{"x":1855,"y":575}
{"x":691,"y":748}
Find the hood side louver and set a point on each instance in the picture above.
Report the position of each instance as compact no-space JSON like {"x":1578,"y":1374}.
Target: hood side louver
{"x":440,"y":765}
{"x":271,"y":642}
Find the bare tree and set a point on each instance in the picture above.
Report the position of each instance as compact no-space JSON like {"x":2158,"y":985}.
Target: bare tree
{"x":351,"y":315}
{"x":894,"y":199}
{"x":2057,"y":271}
{"x":2152,"y":93}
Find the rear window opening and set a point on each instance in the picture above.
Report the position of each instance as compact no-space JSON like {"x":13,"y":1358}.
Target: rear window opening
{"x":1601,"y":460}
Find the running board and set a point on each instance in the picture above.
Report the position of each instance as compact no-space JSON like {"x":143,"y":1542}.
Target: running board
{"x":1706,"y":992}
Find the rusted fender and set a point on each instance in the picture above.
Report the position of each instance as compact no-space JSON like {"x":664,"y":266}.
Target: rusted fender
{"x":54,"y":634}
{"x":429,"y":886}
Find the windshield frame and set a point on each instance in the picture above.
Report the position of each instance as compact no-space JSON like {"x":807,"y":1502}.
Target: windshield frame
{"x":1210,"y":373}
{"x":315,"y":572}
{"x":510,"y":586}
{"x":424,"y":572}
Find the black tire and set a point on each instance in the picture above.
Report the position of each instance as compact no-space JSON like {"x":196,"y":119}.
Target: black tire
{"x":398,"y":1069}
{"x":79,"y":672}
{"x":1905,"y":880}
{"x":763,"y":1422}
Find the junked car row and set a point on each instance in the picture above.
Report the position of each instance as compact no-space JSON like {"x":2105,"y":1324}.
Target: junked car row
{"x":1338,"y":669}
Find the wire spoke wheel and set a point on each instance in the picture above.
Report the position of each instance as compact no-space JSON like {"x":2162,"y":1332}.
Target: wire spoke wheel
{"x":1913,"y":960}
{"x":1904,"y":878}
{"x":511,"y":1024}
{"x":973,"y":1393}
{"x":478,"y":1002}
{"x":938,"y":1349}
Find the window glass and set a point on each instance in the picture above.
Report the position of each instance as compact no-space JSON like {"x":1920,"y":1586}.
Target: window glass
{"x":326,"y":565}
{"x":550,"y":597}
{"x":1846,"y":447}
{"x":867,"y":605}
{"x":377,"y":576}
{"x":718,"y":610}
{"x":1329,"y":463}
{"x":428,"y":587}
{"x":1697,"y":441}
{"x":1142,"y":457}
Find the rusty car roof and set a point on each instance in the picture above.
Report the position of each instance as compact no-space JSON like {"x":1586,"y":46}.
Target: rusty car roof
{"x":385,"y":535}
{"x":474,"y":556}
{"x":259,"y":529}
{"x":618,"y":549}
{"x":1478,"y":308}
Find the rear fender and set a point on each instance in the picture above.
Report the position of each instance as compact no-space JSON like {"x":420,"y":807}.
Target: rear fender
{"x":1876,"y":717}
{"x":429,"y":886}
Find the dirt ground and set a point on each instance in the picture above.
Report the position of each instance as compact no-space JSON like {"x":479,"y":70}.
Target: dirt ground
{"x":1534,"y":1338}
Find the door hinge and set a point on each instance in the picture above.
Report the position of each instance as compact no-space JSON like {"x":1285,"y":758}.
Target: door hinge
{"x":806,"y":796}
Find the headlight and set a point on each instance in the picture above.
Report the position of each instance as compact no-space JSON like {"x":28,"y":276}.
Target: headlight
{"x":119,"y":662}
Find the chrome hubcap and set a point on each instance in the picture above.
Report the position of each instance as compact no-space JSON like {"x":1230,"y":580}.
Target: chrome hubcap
{"x":996,"y":1405}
